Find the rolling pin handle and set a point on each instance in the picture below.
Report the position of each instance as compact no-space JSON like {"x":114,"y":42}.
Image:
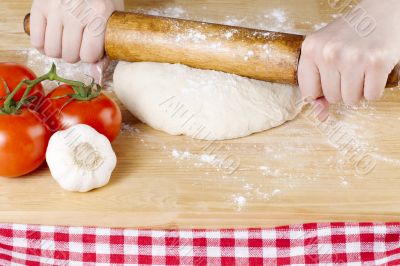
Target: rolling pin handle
{"x":27,"y":22}
{"x":394,"y":77}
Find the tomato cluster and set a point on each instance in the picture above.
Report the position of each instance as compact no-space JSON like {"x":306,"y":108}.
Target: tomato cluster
{"x":26,"y":130}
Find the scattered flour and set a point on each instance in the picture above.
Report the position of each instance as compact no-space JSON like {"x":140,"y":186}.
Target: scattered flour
{"x":193,"y":35}
{"x":274,"y":182}
{"x":295,"y":151}
{"x":207,"y":158}
{"x":128,"y":129}
{"x":181,"y":155}
{"x":271,"y":182}
{"x":173,"y":12}
{"x":239,"y":201}
{"x":41,"y":64}
{"x":276,"y":20}
{"x":229,"y":35}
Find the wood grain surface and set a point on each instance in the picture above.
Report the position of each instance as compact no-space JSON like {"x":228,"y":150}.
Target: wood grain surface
{"x":256,"y":54}
{"x":292,"y":174}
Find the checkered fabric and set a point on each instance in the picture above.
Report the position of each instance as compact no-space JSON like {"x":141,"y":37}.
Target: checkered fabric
{"x":326,"y":244}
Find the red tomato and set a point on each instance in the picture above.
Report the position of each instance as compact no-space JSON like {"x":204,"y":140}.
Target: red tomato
{"x":101,"y":113}
{"x":13,"y":74}
{"x":23,"y":143}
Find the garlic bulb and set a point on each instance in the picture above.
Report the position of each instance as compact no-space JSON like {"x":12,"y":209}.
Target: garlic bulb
{"x":80,"y":159}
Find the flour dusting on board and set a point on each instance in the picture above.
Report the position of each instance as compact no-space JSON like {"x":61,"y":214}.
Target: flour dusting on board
{"x":289,"y":164}
{"x":286,"y":165}
{"x":41,"y":64}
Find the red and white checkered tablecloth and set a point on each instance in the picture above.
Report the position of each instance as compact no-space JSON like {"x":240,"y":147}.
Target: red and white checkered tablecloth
{"x":326,"y":244}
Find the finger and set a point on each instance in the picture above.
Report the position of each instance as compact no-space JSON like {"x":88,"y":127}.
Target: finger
{"x":71,"y":42}
{"x":352,"y":87}
{"x":330,"y":79}
{"x":103,"y":64}
{"x":309,"y":79}
{"x":97,"y":70}
{"x":92,"y":49}
{"x":53,"y":39}
{"x":38,"y":29}
{"x":321,"y":109}
{"x":374,"y":84}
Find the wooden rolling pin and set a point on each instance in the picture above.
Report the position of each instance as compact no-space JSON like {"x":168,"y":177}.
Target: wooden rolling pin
{"x":257,"y":54}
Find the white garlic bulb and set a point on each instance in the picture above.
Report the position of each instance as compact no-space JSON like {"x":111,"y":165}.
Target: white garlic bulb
{"x":80,"y":159}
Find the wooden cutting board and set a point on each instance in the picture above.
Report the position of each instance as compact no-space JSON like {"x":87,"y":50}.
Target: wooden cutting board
{"x":291,"y":174}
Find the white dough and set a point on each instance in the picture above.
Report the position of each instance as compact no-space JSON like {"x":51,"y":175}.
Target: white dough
{"x":203,"y":104}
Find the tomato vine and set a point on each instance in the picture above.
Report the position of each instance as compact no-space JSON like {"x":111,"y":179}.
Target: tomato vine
{"x":82,"y":92}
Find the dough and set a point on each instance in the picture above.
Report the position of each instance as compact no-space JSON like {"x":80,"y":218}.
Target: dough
{"x":203,"y":104}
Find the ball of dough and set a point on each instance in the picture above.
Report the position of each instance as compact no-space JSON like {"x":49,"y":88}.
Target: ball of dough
{"x":203,"y":104}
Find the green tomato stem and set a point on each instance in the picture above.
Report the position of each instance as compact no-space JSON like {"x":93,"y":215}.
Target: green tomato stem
{"x":81,"y":90}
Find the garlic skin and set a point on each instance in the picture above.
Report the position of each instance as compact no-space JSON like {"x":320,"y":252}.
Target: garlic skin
{"x":80,"y":159}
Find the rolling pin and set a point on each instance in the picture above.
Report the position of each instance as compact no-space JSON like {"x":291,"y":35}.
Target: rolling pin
{"x":257,"y":54}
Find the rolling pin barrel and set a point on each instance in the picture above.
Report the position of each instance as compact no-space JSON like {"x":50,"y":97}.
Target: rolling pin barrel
{"x":257,"y":54}
{"x":246,"y":52}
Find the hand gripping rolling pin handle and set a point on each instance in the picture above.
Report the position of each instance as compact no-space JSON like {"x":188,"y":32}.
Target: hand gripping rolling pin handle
{"x":257,"y":54}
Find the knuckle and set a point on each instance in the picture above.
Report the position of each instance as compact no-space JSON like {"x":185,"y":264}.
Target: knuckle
{"x":309,"y":46}
{"x":331,"y":51}
{"x":103,"y":7}
{"x":378,"y":61}
{"x":354,"y":56}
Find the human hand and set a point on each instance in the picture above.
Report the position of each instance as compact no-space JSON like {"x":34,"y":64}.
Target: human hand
{"x":71,"y":29}
{"x":344,"y":62}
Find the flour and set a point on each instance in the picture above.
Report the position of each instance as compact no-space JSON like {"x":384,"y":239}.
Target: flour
{"x":240,"y":202}
{"x":172,"y":12}
{"x":275,"y":20}
{"x":41,"y":64}
{"x":208,"y":158}
{"x":268,"y":171}
{"x":343,"y":181}
{"x":181,"y":155}
{"x":264,"y":182}
{"x":294,"y":163}
{"x":128,"y":129}
{"x":193,"y":35}
{"x":387,"y":160}
{"x":267,"y":183}
{"x":229,"y":34}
